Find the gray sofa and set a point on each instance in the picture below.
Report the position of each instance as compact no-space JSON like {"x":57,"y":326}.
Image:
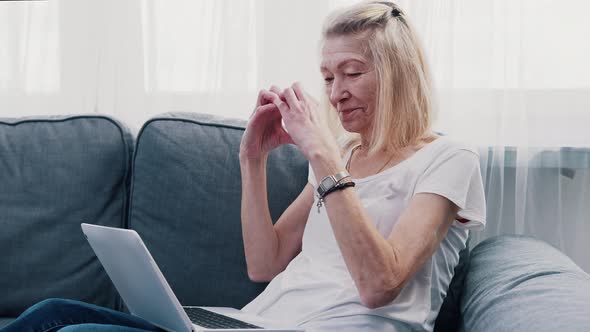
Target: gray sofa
{"x":178,"y":185}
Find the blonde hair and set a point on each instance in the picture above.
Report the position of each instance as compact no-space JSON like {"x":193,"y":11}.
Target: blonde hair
{"x":404,"y":99}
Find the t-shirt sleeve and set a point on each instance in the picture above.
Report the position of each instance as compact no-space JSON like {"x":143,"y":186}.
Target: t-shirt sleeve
{"x":457,"y":177}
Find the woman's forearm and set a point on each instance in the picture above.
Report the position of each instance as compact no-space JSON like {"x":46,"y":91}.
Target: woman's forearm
{"x":369,"y":257}
{"x":379,"y":266}
{"x":260,"y":239}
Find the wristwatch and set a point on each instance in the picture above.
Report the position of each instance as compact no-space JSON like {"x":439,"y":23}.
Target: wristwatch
{"x":330,"y":181}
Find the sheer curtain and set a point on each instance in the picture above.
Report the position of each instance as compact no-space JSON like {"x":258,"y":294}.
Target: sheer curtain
{"x":137,"y":58}
{"x":512,"y":78}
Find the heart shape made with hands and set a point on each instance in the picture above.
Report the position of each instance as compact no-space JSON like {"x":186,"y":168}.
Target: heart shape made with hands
{"x":294,"y":106}
{"x":281,"y":95}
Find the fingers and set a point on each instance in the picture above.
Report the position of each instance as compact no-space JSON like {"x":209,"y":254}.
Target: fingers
{"x":291,"y":98}
{"x":275,"y":89}
{"x":266,"y":108}
{"x":303,"y":95}
{"x":280,"y":104}
{"x":298,"y":89}
{"x":263,"y":96}
{"x":259,"y":99}
{"x":306,"y":99}
{"x":262,"y":109}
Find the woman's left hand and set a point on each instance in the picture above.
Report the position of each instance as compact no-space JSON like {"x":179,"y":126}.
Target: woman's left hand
{"x":302,"y":121}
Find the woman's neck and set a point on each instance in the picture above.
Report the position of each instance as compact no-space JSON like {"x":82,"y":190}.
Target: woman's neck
{"x":365,"y":142}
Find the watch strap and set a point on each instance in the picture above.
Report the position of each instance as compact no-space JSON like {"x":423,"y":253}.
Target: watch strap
{"x":339,"y":186}
{"x":330,"y":181}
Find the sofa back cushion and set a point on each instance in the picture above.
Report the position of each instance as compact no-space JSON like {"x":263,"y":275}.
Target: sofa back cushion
{"x":56,"y":172}
{"x":517,"y":283}
{"x":185,"y":204}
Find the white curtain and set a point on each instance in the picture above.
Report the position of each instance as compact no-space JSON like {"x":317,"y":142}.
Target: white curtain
{"x":512,"y":78}
{"x":137,"y":58}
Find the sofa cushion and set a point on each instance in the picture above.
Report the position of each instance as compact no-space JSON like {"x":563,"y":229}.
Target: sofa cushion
{"x":185,"y":204}
{"x":517,"y":283}
{"x":56,"y":172}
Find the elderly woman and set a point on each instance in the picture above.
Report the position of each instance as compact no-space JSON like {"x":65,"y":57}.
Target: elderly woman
{"x":372,"y":241}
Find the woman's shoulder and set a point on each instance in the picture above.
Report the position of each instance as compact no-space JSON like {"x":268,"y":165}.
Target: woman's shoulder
{"x":448,"y":145}
{"x":446,"y":150}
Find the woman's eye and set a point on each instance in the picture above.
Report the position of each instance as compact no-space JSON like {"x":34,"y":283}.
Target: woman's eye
{"x":353,"y":74}
{"x":328,"y":79}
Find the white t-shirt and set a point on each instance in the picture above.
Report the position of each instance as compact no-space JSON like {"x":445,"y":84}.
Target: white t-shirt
{"x":316,"y":290}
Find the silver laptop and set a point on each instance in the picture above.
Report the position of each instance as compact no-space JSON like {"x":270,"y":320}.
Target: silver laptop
{"x":147,"y":294}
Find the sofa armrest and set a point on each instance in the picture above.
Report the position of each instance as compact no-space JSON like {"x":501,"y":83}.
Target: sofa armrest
{"x":517,"y":283}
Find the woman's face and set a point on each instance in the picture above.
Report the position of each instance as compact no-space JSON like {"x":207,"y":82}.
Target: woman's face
{"x":351,"y":82}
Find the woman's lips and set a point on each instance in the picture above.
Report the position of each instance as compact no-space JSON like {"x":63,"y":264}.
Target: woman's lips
{"x":347,"y":113}
{"x":349,"y":109}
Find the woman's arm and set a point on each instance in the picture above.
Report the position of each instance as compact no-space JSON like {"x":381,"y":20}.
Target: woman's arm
{"x":269,"y":248}
{"x":379,"y":267}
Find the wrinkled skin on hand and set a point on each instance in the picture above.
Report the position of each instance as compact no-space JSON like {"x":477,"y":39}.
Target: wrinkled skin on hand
{"x":264,"y":131}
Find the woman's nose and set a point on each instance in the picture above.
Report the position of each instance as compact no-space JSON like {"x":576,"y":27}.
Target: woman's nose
{"x":338,"y":93}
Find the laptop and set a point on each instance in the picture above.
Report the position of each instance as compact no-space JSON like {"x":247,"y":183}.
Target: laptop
{"x":146,"y":292}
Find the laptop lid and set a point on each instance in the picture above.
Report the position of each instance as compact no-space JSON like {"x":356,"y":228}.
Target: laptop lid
{"x":136,"y":276}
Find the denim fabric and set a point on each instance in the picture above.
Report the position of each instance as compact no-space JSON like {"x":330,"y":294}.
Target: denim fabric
{"x":66,"y":315}
{"x":100,"y":328}
{"x":517,"y":283}
{"x":55,"y":173}
{"x":185,"y":204}
{"x":5,"y":321}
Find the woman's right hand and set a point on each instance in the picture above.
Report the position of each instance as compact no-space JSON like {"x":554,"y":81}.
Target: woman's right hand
{"x":264,"y":131}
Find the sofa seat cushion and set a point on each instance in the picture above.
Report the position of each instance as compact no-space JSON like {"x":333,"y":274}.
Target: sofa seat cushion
{"x":56,"y":172}
{"x":517,"y":283}
{"x":185,"y":204}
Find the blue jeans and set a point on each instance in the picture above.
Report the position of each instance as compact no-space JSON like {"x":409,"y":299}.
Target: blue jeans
{"x":73,"y":316}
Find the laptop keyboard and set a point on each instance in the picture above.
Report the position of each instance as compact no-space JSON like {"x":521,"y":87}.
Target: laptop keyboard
{"x":212,"y":320}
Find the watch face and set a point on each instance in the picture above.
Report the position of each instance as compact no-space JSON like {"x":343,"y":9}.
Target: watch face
{"x":327,"y":183}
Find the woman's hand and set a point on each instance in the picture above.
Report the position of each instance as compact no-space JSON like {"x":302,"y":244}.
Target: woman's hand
{"x":264,"y":131}
{"x":299,"y":114}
